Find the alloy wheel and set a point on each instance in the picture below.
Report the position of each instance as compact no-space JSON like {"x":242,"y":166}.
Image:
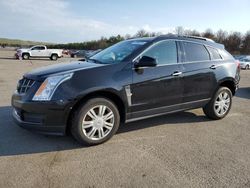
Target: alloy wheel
{"x":222,"y":103}
{"x":98,"y":122}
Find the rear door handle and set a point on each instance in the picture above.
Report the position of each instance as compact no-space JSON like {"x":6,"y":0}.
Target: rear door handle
{"x":213,"y":67}
{"x":177,"y":73}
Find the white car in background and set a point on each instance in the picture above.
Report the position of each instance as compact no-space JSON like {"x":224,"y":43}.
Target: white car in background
{"x":39,"y":51}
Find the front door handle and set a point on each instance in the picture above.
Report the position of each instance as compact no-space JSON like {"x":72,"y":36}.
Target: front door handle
{"x":177,"y":73}
{"x":213,"y":67}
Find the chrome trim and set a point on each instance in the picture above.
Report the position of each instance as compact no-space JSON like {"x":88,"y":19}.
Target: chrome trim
{"x":179,"y":40}
{"x":128,"y":94}
{"x":163,"y":113}
{"x":213,"y":67}
{"x":161,"y":65}
{"x":25,"y":85}
{"x":16,"y":114}
{"x":199,"y":38}
{"x":181,"y":63}
{"x":177,"y":74}
{"x":155,"y":115}
{"x":202,"y":100}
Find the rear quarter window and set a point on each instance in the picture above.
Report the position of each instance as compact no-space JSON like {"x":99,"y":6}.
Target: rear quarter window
{"x":195,"y":52}
{"x":214,"y":54}
{"x":225,"y":54}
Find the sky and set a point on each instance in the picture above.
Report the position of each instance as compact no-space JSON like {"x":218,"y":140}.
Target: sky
{"x":63,"y":21}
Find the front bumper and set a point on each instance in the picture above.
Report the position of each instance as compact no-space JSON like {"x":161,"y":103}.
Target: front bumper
{"x":41,"y":117}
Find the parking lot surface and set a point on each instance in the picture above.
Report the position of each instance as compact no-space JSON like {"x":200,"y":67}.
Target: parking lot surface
{"x":177,"y":150}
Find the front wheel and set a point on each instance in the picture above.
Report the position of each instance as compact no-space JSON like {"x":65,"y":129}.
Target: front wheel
{"x":247,"y":67}
{"x":25,"y":56}
{"x":219,"y":105}
{"x":95,"y":122}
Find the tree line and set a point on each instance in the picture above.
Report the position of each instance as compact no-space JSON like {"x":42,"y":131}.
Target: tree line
{"x":235,"y":42}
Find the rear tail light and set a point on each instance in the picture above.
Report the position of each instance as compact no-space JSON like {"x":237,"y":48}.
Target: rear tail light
{"x":238,"y":63}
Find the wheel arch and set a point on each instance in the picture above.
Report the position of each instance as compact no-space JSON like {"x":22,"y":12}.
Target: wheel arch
{"x":229,"y":83}
{"x":26,"y":53}
{"x":112,"y":96}
{"x":54,"y":54}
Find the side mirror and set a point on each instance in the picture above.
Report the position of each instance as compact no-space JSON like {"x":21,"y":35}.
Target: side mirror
{"x":146,"y":61}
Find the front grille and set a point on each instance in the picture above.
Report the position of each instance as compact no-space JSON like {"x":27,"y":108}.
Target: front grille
{"x":24,"y":85}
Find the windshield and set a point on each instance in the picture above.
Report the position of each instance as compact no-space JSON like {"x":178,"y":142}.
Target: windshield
{"x":118,"y":52}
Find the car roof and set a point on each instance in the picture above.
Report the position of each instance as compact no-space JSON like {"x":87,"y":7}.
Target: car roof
{"x":202,"y":40}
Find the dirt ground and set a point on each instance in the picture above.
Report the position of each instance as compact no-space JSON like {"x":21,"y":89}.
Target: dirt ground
{"x":178,"y":150}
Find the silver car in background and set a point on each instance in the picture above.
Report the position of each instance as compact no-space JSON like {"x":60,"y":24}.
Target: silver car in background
{"x":245,"y":63}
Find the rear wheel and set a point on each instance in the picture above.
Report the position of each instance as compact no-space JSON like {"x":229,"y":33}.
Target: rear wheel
{"x":54,"y":57}
{"x":25,"y":56}
{"x":219,"y":105}
{"x":95,"y":122}
{"x":247,"y":67}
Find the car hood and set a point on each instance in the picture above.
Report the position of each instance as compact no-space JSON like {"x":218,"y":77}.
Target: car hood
{"x":41,"y":73}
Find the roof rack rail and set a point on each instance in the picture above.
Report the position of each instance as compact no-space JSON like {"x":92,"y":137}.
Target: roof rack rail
{"x":199,"y":38}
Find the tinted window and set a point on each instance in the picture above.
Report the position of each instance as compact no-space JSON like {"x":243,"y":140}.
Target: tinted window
{"x":42,"y":48}
{"x":39,"y":48}
{"x":195,"y":52}
{"x":164,"y":52}
{"x":35,"y":48}
{"x":214,"y":53}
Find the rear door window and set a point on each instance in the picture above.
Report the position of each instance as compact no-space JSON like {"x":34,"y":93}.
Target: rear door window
{"x":195,"y":52}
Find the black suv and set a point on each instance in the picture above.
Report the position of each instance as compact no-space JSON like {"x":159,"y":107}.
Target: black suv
{"x":132,"y":80}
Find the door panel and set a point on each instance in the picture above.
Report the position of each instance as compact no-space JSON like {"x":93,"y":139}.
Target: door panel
{"x":35,"y":53}
{"x":38,"y":51}
{"x":198,"y":78}
{"x":156,"y":87}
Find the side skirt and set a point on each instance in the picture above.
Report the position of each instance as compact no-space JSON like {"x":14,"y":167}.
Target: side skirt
{"x":134,"y":116}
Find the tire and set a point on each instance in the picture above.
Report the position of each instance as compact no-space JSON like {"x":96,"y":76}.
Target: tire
{"x":54,"y":57}
{"x":247,"y":67}
{"x":101,"y":129}
{"x":25,"y":56}
{"x":216,"y":109}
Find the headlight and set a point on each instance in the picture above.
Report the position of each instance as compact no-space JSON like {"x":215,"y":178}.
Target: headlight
{"x":48,"y":87}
